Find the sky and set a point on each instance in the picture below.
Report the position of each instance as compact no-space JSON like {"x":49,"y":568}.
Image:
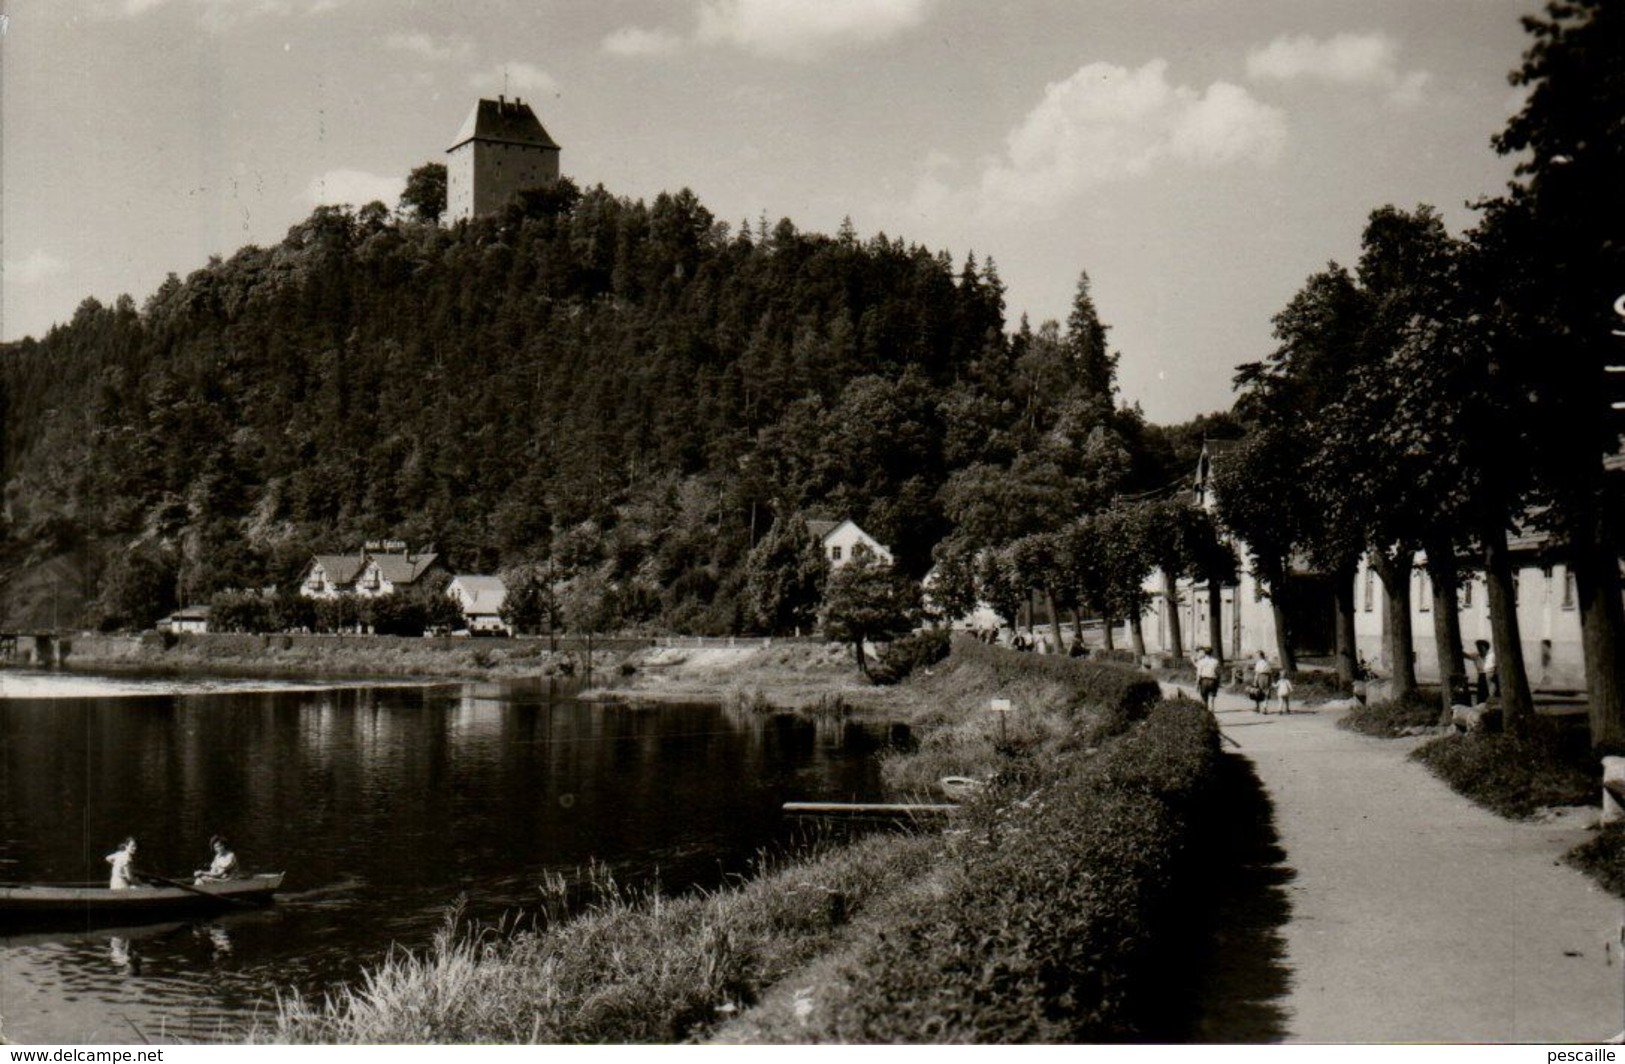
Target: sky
{"x":1199,"y":159}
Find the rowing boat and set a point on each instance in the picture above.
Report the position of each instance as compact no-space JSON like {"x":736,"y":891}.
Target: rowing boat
{"x":45,"y":899}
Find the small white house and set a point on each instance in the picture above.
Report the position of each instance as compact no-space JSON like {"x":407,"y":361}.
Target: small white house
{"x":844,"y":542}
{"x":480,"y":598}
{"x":190,"y":619}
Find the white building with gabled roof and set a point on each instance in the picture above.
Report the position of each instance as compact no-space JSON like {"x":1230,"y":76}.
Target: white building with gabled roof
{"x":480,"y":598}
{"x":843,"y":542}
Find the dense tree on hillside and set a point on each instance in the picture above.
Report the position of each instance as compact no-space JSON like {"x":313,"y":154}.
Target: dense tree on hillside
{"x":579,"y":366}
{"x":424,"y":198}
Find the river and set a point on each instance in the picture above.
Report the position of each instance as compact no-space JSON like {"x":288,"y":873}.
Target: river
{"x":384,"y":804}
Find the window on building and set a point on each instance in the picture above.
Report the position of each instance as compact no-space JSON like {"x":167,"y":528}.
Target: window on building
{"x":1370,"y":591}
{"x":835,"y":554}
{"x":1517,"y":588}
{"x":1467,"y":593}
{"x":1570,"y":593}
{"x":1424,"y":591}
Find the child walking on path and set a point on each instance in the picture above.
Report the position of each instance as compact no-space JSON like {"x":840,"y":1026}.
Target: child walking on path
{"x":1283,"y":694}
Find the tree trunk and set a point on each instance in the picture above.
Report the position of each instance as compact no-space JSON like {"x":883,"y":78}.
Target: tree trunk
{"x":1137,"y":633}
{"x":1077,"y":624}
{"x":1281,"y":589}
{"x":1106,"y":627}
{"x":1517,"y":707}
{"x":863,"y":660}
{"x":1396,"y":585}
{"x":1054,"y":621}
{"x":1446,"y":622}
{"x":1602,"y":627}
{"x":1343,"y":606}
{"x":1215,"y":618}
{"x":1283,"y":636}
{"x":1170,"y":596}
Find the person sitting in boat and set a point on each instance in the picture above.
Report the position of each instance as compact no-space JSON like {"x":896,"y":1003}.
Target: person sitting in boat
{"x":123,"y":862}
{"x":223,"y":867}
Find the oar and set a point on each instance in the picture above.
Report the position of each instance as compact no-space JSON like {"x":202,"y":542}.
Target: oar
{"x":190,"y":888}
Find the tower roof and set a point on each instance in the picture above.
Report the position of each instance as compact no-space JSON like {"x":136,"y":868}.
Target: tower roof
{"x":503,"y":121}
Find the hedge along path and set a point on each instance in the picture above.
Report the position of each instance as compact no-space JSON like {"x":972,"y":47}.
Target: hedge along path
{"x":1415,"y":914}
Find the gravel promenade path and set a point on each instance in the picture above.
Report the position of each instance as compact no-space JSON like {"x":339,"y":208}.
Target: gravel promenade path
{"x":1416,"y":916}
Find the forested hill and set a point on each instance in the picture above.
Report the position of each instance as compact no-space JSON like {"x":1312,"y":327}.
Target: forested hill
{"x":632,"y":392}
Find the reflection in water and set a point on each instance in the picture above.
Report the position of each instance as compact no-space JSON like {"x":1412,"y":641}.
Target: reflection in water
{"x":384,"y":807}
{"x":125,"y":959}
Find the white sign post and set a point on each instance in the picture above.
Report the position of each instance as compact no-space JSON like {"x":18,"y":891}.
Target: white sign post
{"x":1002,"y":707}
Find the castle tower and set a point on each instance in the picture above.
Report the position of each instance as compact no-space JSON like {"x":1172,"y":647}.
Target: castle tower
{"x":501,"y":150}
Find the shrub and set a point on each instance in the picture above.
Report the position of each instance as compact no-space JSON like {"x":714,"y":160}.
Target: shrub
{"x":1515,"y":776}
{"x":1602,"y":857}
{"x":1318,"y":685}
{"x":1125,"y":694}
{"x":1047,"y":928}
{"x":917,"y":650}
{"x":1390,"y":719}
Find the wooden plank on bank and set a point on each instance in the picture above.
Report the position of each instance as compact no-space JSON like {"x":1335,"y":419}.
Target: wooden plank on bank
{"x":903,"y":809}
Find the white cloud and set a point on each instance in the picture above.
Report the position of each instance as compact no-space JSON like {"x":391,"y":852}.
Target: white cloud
{"x":40,"y":265}
{"x":799,"y":29}
{"x":635,"y":41}
{"x":218,"y":14}
{"x":1106,"y":123}
{"x":515,"y":79}
{"x":355,"y":187}
{"x":426,"y":47}
{"x":1361,"y":60}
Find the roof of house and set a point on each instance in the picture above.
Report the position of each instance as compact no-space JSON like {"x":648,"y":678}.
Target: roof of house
{"x":504,"y":121}
{"x":820,"y":529}
{"x":340,"y":568}
{"x":403,"y":568}
{"x":484,"y":594}
{"x":191,"y":613}
{"x":476,"y":584}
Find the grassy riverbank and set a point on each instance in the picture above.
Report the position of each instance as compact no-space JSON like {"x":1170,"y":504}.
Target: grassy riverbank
{"x":304,"y":656}
{"x":1048,"y":911}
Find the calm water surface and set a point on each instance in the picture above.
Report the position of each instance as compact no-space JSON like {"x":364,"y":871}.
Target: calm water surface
{"x":383,"y":804}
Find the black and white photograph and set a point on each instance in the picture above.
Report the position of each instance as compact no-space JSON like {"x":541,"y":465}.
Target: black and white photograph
{"x":813,"y":523}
